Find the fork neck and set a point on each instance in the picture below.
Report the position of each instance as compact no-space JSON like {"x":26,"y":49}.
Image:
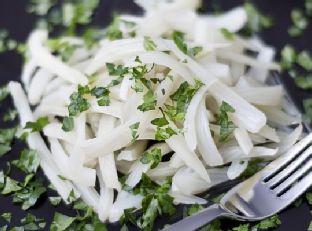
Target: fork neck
{"x":198,"y":220}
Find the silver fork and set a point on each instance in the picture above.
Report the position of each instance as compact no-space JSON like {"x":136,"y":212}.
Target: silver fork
{"x":264,"y":194}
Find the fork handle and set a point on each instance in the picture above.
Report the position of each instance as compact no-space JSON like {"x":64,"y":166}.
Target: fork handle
{"x":198,"y":220}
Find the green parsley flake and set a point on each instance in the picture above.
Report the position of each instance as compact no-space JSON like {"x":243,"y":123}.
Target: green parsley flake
{"x":149,"y":102}
{"x":116,"y":70}
{"x":310,"y":226}
{"x":64,"y":49}
{"x":227,"y":34}
{"x":309,"y":197}
{"x":242,"y":227}
{"x":4,"y":149}
{"x":256,"y":20}
{"x":68,"y":124}
{"x":40,"y":7}
{"x":3,"y":93}
{"x":38,"y":125}
{"x":10,"y":115}
{"x":304,"y":82}
{"x":152,"y":157}
{"x":156,"y":201}
{"x":304,"y":60}
{"x":113,"y":31}
{"x":1,"y":179}
{"x":6,"y":216}
{"x":307,"y":105}
{"x":30,"y":194}
{"x":300,"y":23}
{"x":31,"y":222}
{"x":10,"y":186}
{"x":55,"y":200}
{"x":102,"y":94}
{"x":269,"y":223}
{"x":289,"y":57}
{"x":226,"y":126}
{"x":28,"y":162}
{"x":78,"y":103}
{"x":193,"y":209}
{"x":163,"y":134}
{"x":149,"y":44}
{"x":134,"y":130}
{"x":61,"y":222}
{"x":179,"y":40}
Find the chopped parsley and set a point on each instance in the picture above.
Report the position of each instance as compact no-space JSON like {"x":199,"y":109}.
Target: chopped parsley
{"x":289,"y":57}
{"x":10,"y":186}
{"x":29,"y":194}
{"x":102,"y":95}
{"x":193,"y":209}
{"x":179,"y":40}
{"x":269,"y":223}
{"x":38,"y":125}
{"x":10,"y":115}
{"x":3,"y":93}
{"x":309,"y":197}
{"x":227,"y":34}
{"x":181,"y":100}
{"x":149,"y":102}
{"x":116,"y":70}
{"x":62,"y":48}
{"x":300,"y":23}
{"x":226,"y":126}
{"x":78,"y":102}
{"x":152,"y":157}
{"x":55,"y":200}
{"x":28,"y":162}
{"x":134,"y":130}
{"x":156,"y":201}
{"x":68,"y":124}
{"x":304,"y":60}
{"x":6,"y":216}
{"x":310,"y":226}
{"x":113,"y":31}
{"x":242,"y":227}
{"x":149,"y":44}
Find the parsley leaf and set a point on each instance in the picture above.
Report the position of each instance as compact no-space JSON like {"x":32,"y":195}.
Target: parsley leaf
{"x":62,"y":48}
{"x":116,"y":70}
{"x":31,"y":222}
{"x":10,"y":115}
{"x":61,"y":222}
{"x":149,"y":102}
{"x":156,"y":201}
{"x":227,"y":34}
{"x":4,"y":149}
{"x":29,"y":195}
{"x":68,"y":124}
{"x":271,"y":222}
{"x":55,"y":200}
{"x":28,"y":162}
{"x":6,"y":216}
{"x":1,"y":179}
{"x":102,"y":94}
{"x":7,"y":135}
{"x":149,"y":44}
{"x":3,"y":93}
{"x":78,"y":103}
{"x":309,"y":198}
{"x":310,"y":226}
{"x":193,"y":209}
{"x":113,"y":31}
{"x":300,"y":23}
{"x":226,"y":126}
{"x":134,"y":130}
{"x":289,"y":57}
{"x":242,"y":227}
{"x":256,"y":20}
{"x":10,"y":186}
{"x":304,"y":60}
{"x":38,"y":125}
{"x":152,"y":157}
{"x":179,"y":39}
{"x":164,"y":133}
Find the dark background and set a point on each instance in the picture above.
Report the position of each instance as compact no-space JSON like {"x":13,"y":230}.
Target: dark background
{"x":14,"y":18}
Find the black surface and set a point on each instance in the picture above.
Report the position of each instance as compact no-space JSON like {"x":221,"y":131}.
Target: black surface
{"x":14,"y":18}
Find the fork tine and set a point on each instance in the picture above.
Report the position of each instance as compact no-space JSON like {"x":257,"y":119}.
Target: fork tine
{"x":284,"y":160}
{"x":295,"y":191}
{"x":283,"y":175}
{"x":294,"y":177}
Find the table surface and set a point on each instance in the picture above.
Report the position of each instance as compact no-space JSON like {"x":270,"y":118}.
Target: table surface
{"x":14,"y":18}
